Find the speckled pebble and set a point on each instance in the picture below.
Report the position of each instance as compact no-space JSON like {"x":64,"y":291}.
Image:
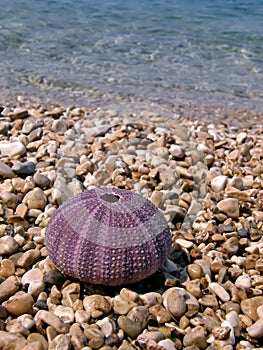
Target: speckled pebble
{"x":65,"y":313}
{"x":96,"y":305}
{"x":8,"y":245}
{"x":196,"y":336}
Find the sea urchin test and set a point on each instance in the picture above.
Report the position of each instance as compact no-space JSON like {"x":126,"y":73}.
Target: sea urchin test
{"x":108,"y":236}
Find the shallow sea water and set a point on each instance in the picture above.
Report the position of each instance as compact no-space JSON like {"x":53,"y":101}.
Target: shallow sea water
{"x":203,"y":52}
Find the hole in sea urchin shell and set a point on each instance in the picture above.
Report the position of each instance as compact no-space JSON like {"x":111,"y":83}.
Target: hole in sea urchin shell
{"x":110,"y":197}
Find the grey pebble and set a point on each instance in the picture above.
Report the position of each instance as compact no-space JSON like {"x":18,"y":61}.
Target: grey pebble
{"x":24,"y":169}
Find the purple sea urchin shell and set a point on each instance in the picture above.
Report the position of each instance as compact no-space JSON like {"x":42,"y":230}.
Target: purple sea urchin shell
{"x":108,"y":236}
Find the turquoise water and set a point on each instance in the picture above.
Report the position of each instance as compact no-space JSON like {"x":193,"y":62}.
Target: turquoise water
{"x":199,"y":51}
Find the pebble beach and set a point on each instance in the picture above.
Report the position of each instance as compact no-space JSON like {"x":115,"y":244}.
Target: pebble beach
{"x":206,"y":177}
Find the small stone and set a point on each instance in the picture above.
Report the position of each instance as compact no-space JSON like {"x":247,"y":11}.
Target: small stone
{"x":78,"y":339}
{"x":241,"y":137}
{"x":229,"y":206}
{"x":130,"y":295}
{"x":197,"y":337}
{"x":33,"y":345}
{"x":177,"y":151}
{"x":174,"y":301}
{"x":9,"y":341}
{"x":7,"y":268}
{"x":122,"y":306}
{"x":54,"y":277}
{"x":52,"y":320}
{"x":249,"y":306}
{"x":144,"y":338}
{"x":8,"y":287}
{"x":21,"y":210}
{"x":28,"y":258}
{"x":242,"y":233}
{"x":160,"y":313}
{"x":231,"y":245}
{"x":259,"y":265}
{"x":8,"y":245}
{"x":107,"y":326}
{"x":61,"y":341}
{"x":70,"y":294}
{"x":96,"y":305}
{"x":135,"y":322}
{"x":32,"y":275}
{"x":24,"y":169}
{"x":6,"y":171}
{"x":243,"y":281}
{"x":167,"y":344}
{"x":26,"y":321}
{"x":10,"y":199}
{"x":151,"y":298}
{"x":236,"y":182}
{"x":35,"y":288}
{"x":258,"y":215}
{"x":20,"y":304}
{"x":218,"y":183}
{"x":82,"y":316}
{"x":157,"y":198}
{"x":41,"y":180}
{"x":35,"y":199}
{"x":12,"y":149}
{"x":18,"y":113}
{"x":256,"y":330}
{"x":219,"y":291}
{"x":65,"y":313}
{"x":195,"y":271}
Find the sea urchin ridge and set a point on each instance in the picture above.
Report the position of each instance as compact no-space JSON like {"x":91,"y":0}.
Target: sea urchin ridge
{"x":108,"y":236}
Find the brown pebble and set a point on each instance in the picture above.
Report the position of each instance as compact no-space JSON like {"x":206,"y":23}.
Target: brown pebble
{"x":8,"y":245}
{"x":8,"y":287}
{"x":34,"y":345}
{"x":35,"y":199}
{"x":96,"y":305}
{"x":174,"y":300}
{"x":195,"y":271}
{"x":20,"y":304}
{"x":43,"y":316}
{"x":28,"y":258}
{"x":9,"y":341}
{"x":249,"y":306}
{"x":197,"y":337}
{"x":7,"y":268}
